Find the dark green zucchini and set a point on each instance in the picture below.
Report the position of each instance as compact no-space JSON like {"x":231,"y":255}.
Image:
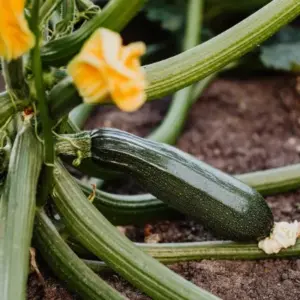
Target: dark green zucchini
{"x":230,"y":208}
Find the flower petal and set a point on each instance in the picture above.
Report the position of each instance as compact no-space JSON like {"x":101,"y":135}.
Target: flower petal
{"x":131,"y":55}
{"x":128,"y":91}
{"x":104,"y":67}
{"x":16,"y":38}
{"x":110,"y":44}
{"x":2,"y":46}
{"x":17,"y":6}
{"x":128,"y":95}
{"x":89,"y":80}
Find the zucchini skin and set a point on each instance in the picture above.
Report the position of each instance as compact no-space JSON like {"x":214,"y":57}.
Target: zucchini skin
{"x":228,"y":207}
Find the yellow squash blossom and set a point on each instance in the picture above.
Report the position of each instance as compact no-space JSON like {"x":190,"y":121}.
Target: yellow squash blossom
{"x":15,"y":36}
{"x":105,"y":68}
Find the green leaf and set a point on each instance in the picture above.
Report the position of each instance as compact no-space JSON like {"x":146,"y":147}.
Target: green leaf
{"x":282,"y":52}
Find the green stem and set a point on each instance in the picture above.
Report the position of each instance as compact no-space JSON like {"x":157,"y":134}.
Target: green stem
{"x":194,"y":24}
{"x":170,"y":253}
{"x":87,"y":166}
{"x":66,"y":264}
{"x":172,"y":125}
{"x":63,"y":98}
{"x":80,"y":114}
{"x":92,"y":230}
{"x":217,"y":250}
{"x":115,"y":15}
{"x":20,"y":195}
{"x":139,"y":209}
{"x":43,"y":108}
{"x":174,"y":73}
{"x":47,"y":9}
{"x":16,"y":85}
{"x":273,"y":181}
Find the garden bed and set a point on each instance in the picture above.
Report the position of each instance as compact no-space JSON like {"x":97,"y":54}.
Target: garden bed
{"x":236,"y":126}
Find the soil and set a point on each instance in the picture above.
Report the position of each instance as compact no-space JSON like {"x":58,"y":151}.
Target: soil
{"x":237,"y":126}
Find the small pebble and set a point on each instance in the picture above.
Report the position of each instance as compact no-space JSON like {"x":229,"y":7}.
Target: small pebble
{"x":292,"y":141}
{"x":294,"y":274}
{"x":288,"y":284}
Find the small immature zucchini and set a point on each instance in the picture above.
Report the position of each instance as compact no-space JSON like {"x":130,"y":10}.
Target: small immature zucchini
{"x":230,"y":208}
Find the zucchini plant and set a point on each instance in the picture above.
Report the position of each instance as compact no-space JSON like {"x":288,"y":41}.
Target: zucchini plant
{"x":57,"y":54}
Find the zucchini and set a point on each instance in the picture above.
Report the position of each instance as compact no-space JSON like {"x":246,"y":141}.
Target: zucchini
{"x":45,"y":120}
{"x":228,"y":207}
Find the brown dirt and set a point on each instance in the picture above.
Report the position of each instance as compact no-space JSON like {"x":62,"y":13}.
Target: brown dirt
{"x":237,"y":126}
